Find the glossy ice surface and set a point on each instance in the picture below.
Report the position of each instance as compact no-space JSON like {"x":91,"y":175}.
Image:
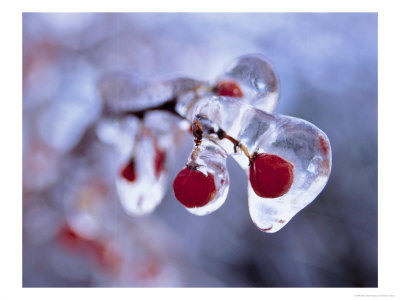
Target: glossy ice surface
{"x":248,"y":93}
{"x":295,"y":140}
{"x":257,"y":79}
{"x":210,"y":159}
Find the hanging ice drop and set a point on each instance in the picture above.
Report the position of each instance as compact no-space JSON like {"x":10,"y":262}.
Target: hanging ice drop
{"x":203,"y":184}
{"x":141,"y":181}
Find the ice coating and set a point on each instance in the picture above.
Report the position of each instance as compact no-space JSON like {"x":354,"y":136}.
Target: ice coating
{"x":118,"y":133}
{"x":209,"y":158}
{"x":144,"y":150}
{"x":237,"y":124}
{"x":297,"y":141}
{"x":253,"y":75}
{"x":145,"y":192}
{"x":308,"y":148}
{"x":119,"y":90}
{"x":257,"y":79}
{"x":122,"y":92}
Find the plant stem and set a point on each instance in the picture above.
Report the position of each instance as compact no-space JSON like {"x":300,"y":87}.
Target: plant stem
{"x":170,"y":106}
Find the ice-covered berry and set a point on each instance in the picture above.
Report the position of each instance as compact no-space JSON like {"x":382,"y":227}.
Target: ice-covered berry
{"x":128,"y":172}
{"x":270,"y":175}
{"x":193,"y":188}
{"x":229,"y":89}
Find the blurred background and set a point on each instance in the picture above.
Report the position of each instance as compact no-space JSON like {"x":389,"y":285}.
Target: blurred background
{"x":327,"y":65}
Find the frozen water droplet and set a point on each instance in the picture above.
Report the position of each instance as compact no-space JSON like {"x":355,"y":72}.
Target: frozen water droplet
{"x":261,"y":85}
{"x":142,"y":193}
{"x":209,"y":159}
{"x":257,"y":79}
{"x":143,"y":151}
{"x":298,"y":142}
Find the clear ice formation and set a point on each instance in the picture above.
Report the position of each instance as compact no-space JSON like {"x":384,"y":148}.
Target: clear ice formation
{"x":257,"y":79}
{"x":143,"y":194}
{"x":210,"y":158}
{"x":123,"y":92}
{"x":248,"y":119}
{"x":146,"y":145}
{"x":293,"y":139}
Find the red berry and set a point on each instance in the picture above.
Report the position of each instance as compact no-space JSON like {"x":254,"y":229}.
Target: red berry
{"x":193,"y":188}
{"x":159,"y":161}
{"x":229,"y":89}
{"x":128,"y":172}
{"x":270,"y":175}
